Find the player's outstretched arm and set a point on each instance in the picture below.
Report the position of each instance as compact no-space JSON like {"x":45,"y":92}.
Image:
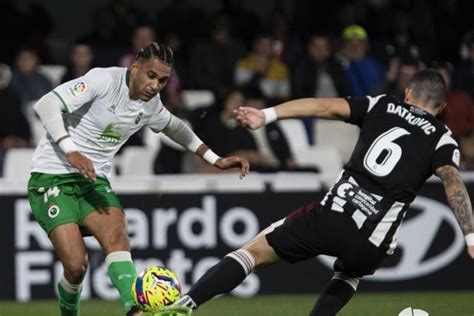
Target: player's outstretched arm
{"x":459,"y":201}
{"x":326,"y":108}
{"x":225,"y":163}
{"x":178,"y":131}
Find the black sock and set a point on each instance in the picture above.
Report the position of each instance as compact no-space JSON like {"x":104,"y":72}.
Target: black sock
{"x":221,"y":278}
{"x":333,"y":298}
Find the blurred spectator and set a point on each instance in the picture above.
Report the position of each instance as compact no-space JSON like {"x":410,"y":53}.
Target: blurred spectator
{"x":266,"y":149}
{"x":464,"y":73}
{"x":366,"y":75}
{"x":213,"y":61}
{"x":142,"y":36}
{"x":184,"y":18}
{"x":263,"y":70}
{"x":398,"y":39}
{"x":181,"y":62}
{"x":400,"y":72}
{"x":14,"y":127}
{"x":81,"y":61}
{"x":218,"y":128}
{"x":27,"y":81}
{"x":269,"y":139}
{"x":103,"y":40}
{"x":125,"y":17}
{"x":466,"y":145}
{"x":287,"y":46}
{"x":244,"y":23}
{"x":319,"y":75}
{"x":459,"y":112}
{"x":24,"y":23}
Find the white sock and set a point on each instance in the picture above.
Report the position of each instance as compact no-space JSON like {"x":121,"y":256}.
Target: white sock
{"x":118,"y":256}
{"x":69,"y":287}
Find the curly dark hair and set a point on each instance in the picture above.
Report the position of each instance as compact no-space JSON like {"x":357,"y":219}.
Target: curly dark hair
{"x":156,"y":50}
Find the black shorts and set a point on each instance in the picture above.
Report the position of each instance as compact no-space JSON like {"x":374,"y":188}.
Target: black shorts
{"x":316,"y":230}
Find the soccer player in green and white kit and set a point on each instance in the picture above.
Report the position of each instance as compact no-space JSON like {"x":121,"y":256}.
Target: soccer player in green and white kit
{"x":88,"y":119}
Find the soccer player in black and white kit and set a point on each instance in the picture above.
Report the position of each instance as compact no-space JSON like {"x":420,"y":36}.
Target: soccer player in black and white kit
{"x":401,"y":144}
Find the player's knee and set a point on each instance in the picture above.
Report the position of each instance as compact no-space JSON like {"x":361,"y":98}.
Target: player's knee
{"x":118,"y":239}
{"x":75,"y":269}
{"x":260,"y":254}
{"x":253,"y":253}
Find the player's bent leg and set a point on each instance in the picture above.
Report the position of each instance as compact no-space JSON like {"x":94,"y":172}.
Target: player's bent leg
{"x":109,"y":227}
{"x":230,"y":272}
{"x":70,"y":248}
{"x":335,"y":296}
{"x":262,"y":253}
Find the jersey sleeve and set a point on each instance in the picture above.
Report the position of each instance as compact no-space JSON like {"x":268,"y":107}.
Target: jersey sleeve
{"x":80,"y":91}
{"x":446,"y":153}
{"x":360,"y":106}
{"x":160,"y":118}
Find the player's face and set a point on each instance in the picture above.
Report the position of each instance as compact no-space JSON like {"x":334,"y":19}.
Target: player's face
{"x":149,"y":78}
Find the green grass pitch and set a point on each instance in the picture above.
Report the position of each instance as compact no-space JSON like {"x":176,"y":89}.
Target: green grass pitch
{"x":363,"y":304}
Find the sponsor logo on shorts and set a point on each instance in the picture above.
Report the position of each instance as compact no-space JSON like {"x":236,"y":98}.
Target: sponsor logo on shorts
{"x":78,"y":88}
{"x":53,"y":211}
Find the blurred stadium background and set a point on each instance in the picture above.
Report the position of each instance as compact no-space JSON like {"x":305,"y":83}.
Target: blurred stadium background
{"x":183,"y":214}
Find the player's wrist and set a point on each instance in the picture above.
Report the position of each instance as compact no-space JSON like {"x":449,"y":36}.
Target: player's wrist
{"x":210,"y":157}
{"x":469,"y":239}
{"x":270,"y":115}
{"x":66,"y":144}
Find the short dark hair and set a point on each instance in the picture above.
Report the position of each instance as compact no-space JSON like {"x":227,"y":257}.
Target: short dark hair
{"x":155,"y":50}
{"x":428,"y":86}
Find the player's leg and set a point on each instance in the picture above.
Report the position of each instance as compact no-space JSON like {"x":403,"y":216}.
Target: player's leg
{"x":357,"y":257}
{"x":230,"y":272}
{"x":56,"y":210}
{"x":108,"y":226}
{"x":336,"y":295}
{"x":69,"y":246}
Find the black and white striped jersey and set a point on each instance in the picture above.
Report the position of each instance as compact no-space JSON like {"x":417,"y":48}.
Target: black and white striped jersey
{"x":399,"y":147}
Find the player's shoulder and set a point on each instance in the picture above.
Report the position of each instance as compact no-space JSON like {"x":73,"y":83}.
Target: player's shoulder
{"x":106,"y":73}
{"x":383,"y":99}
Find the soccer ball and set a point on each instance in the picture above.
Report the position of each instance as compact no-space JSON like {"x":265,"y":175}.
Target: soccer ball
{"x":155,"y":287}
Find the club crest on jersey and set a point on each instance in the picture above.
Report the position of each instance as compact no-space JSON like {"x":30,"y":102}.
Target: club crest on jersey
{"x":78,"y":88}
{"x":53,"y":211}
{"x":139,"y":117}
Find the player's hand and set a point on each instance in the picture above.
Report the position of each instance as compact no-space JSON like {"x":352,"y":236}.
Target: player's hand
{"x":234,"y":162}
{"x":82,"y":163}
{"x":470,"y":251}
{"x":250,"y":117}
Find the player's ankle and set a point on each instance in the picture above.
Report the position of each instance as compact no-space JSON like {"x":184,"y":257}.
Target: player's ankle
{"x":186,"y":301}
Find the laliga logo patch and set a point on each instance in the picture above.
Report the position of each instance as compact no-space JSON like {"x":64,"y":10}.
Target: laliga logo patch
{"x":53,"y":211}
{"x":78,"y":88}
